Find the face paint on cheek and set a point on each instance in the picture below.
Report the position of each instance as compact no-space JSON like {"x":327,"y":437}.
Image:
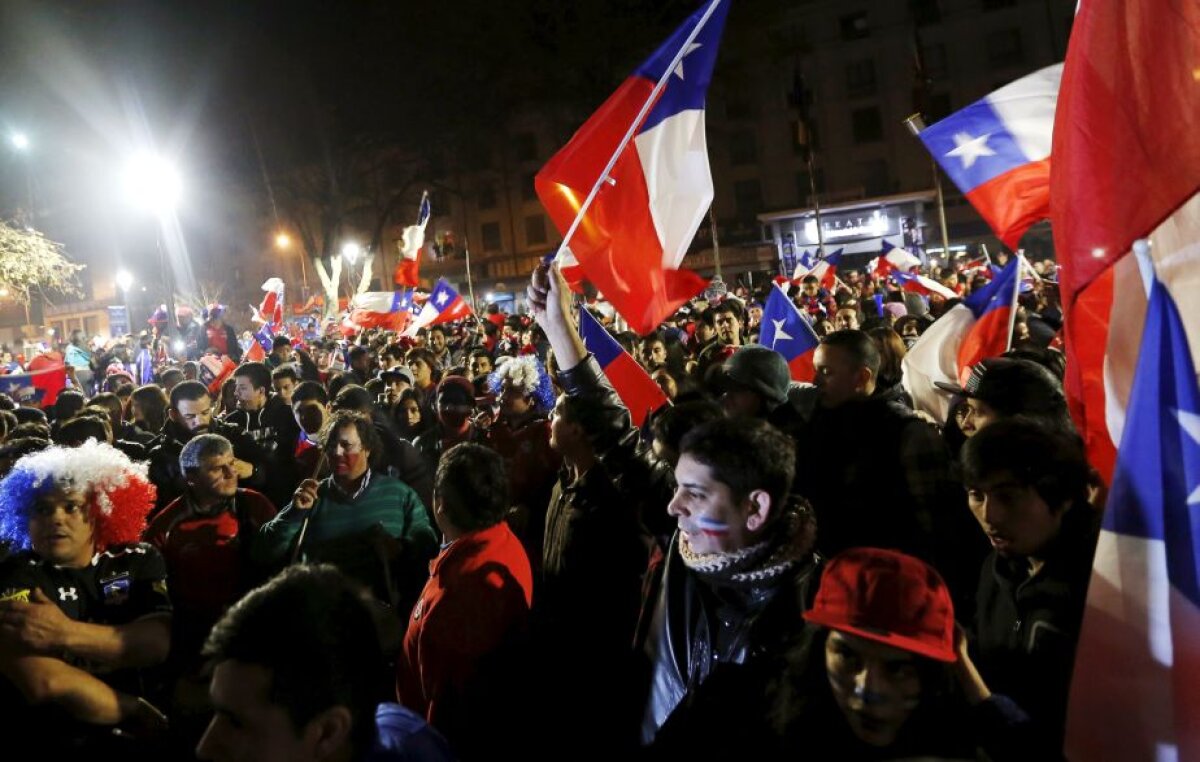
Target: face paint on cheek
{"x":712,"y":527}
{"x":348,"y":463}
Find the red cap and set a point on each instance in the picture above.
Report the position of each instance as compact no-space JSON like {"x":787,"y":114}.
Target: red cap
{"x":888,"y":597}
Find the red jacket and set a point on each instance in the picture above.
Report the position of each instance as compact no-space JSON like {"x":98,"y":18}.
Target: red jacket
{"x":475,"y":603}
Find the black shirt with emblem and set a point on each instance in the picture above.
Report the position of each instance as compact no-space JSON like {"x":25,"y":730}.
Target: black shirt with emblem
{"x":120,"y":585}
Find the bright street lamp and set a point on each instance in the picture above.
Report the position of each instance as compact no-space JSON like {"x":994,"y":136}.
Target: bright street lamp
{"x":124,"y":280}
{"x":283,"y":240}
{"x":153,"y":182}
{"x":20,"y":141}
{"x":351,"y":251}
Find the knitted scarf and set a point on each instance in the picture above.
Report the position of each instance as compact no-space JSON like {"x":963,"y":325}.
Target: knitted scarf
{"x":765,"y":561}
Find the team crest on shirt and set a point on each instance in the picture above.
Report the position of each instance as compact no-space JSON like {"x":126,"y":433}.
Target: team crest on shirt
{"x":15,"y":594}
{"x":116,"y":590}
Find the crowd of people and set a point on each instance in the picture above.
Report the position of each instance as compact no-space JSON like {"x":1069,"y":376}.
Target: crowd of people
{"x":458,"y":545}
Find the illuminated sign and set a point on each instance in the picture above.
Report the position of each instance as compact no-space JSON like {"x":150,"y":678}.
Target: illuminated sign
{"x":874,"y":225}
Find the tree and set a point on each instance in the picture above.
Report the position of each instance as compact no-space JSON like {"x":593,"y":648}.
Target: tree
{"x":31,"y":262}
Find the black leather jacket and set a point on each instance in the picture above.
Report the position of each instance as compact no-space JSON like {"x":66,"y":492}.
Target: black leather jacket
{"x":695,"y":627}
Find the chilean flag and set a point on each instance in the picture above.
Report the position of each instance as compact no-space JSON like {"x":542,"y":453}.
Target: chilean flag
{"x":633,"y":385}
{"x":972,"y":330}
{"x":997,"y":151}
{"x":920,"y":284}
{"x":261,"y":346}
{"x":804,"y":265}
{"x":411,"y":241}
{"x":825,"y":270}
{"x":40,"y":386}
{"x":444,"y":305}
{"x":992,"y":307}
{"x":898,"y":258}
{"x":270,"y":310}
{"x":381,"y":309}
{"x":633,"y":238}
{"x":1127,"y":167}
{"x":785,"y":330}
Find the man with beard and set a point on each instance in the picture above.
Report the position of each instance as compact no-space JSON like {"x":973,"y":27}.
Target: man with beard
{"x":191,"y":414}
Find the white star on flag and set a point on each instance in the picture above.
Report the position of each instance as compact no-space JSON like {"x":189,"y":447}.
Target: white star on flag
{"x":969,"y":149}
{"x":441,"y":298}
{"x":1190,"y":423}
{"x":780,"y":333}
{"x":690,"y":49}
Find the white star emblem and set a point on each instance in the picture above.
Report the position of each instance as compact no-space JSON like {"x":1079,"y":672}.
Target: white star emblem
{"x":441,"y":298}
{"x":780,"y":333}
{"x":679,"y":67}
{"x":969,"y":149}
{"x":1190,"y":423}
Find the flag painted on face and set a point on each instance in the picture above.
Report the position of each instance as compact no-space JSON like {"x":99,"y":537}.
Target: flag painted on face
{"x":412,"y":240}
{"x":711,"y":527}
{"x":785,"y":330}
{"x":632,"y":239}
{"x":997,"y":151}
{"x":640,"y":393}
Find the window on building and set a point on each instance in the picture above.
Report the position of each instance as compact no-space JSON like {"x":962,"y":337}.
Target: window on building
{"x":528,"y":193}
{"x":860,"y":78}
{"x":854,"y":26}
{"x":925,"y":11}
{"x":748,"y":199}
{"x":874,"y":177}
{"x":535,"y":230}
{"x":995,"y":5}
{"x":934,"y":58}
{"x":743,"y":148}
{"x":1004,"y":47}
{"x":525,"y":146}
{"x":866,"y":124}
{"x":487,"y":196}
{"x":491,"y":236}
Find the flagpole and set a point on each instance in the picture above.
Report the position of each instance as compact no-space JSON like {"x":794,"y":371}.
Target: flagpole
{"x":470,"y":283}
{"x":916,"y":125}
{"x":1012,"y":313}
{"x":658,"y":87}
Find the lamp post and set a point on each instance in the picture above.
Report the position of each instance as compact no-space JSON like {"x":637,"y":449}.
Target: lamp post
{"x":21,"y":144}
{"x":153,"y":183}
{"x":283,"y":242}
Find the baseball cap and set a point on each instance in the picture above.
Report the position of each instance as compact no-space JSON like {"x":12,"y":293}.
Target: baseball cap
{"x":890,"y":598}
{"x":399,"y":371}
{"x":758,"y":369}
{"x":1011,"y":386}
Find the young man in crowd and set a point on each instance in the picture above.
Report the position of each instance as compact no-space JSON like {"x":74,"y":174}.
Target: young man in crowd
{"x":298,"y":675}
{"x":267,"y":419}
{"x":467,"y":631}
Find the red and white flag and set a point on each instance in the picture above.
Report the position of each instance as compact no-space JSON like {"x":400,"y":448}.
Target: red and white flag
{"x":631,"y":240}
{"x":412,"y":240}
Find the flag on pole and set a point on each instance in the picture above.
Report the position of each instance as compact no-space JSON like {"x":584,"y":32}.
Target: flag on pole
{"x":270,"y":309}
{"x":444,"y":305}
{"x":382,"y":309}
{"x":825,"y":270}
{"x":917,"y":283}
{"x":39,"y":387}
{"x":997,"y":151}
{"x":213,"y":372}
{"x":261,"y":346}
{"x":411,"y":241}
{"x":785,"y":330}
{"x":633,"y":385}
{"x":898,"y":258}
{"x":645,"y":210}
{"x":972,"y":330}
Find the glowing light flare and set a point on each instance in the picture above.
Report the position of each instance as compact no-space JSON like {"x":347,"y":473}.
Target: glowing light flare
{"x":153,"y":182}
{"x":20,"y":141}
{"x":178,"y":345}
{"x":351,"y":252}
{"x":283,"y":241}
{"x":124,"y":280}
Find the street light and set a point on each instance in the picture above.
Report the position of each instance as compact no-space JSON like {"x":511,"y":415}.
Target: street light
{"x":153,"y":182}
{"x":351,"y":252}
{"x":124,"y":280}
{"x":283,"y":240}
{"x":20,"y":141}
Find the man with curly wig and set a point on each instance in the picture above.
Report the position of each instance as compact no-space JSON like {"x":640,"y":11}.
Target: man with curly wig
{"x":83,"y":604}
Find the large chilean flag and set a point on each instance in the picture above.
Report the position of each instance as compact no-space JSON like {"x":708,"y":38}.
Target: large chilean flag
{"x":640,"y":393}
{"x":997,"y":151}
{"x":992,"y":306}
{"x":632,"y":239}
